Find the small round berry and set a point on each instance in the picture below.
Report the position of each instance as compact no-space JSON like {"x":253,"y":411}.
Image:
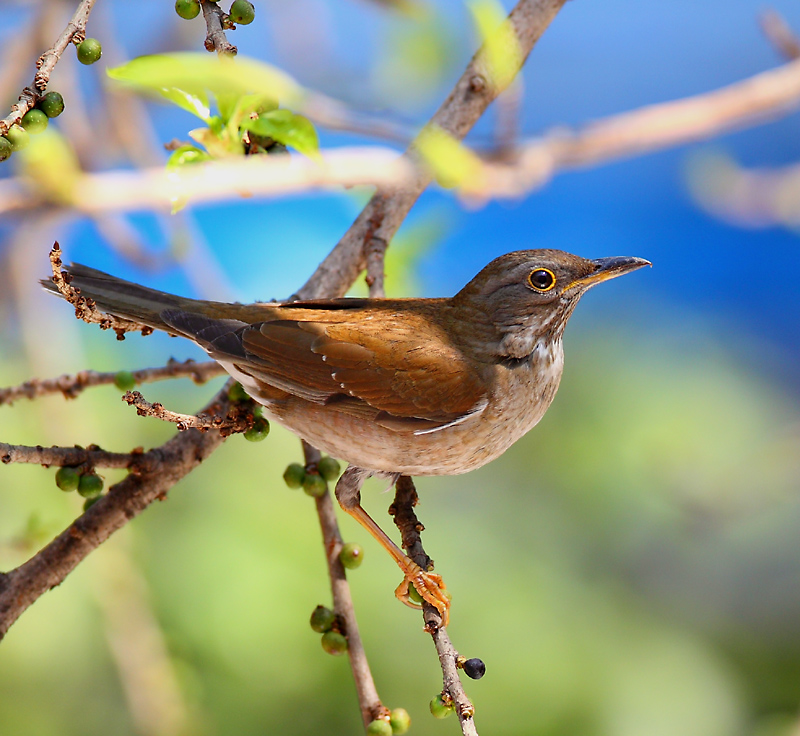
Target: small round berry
{"x":329,"y":468}
{"x":334,"y":643}
{"x":379,"y":727}
{"x":89,"y":502}
{"x":294,"y":475}
{"x":258,"y":431}
{"x":414,"y":595}
{"x":89,"y":51}
{"x":6,"y":149}
{"x":17,"y":137}
{"x":124,"y":380}
{"x":242,"y":12}
{"x":67,"y":478}
{"x":34,"y":121}
{"x":237,"y":393}
{"x":351,"y":556}
{"x":474,"y":668}
{"x":400,"y":721}
{"x":90,"y":485}
{"x":440,"y":708}
{"x":187,"y":9}
{"x":314,"y":485}
{"x":322,"y":619}
{"x":52,"y":104}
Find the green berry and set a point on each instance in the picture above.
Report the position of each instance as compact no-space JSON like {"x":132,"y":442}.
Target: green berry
{"x":329,"y":468}
{"x":90,"y":485}
{"x":242,"y":12}
{"x":67,"y":478}
{"x":414,"y":595}
{"x":294,"y":475}
{"x":314,"y":485}
{"x":379,"y":727}
{"x":34,"y":121}
{"x":258,"y":431}
{"x":89,"y":502}
{"x":440,"y":708}
{"x":322,"y":619}
{"x":237,"y":393}
{"x":187,"y":9}
{"x":400,"y":721}
{"x":351,"y":556}
{"x":17,"y":137}
{"x":124,"y":381}
{"x":52,"y":104}
{"x":89,"y":51}
{"x":334,"y":643}
{"x":6,"y":149}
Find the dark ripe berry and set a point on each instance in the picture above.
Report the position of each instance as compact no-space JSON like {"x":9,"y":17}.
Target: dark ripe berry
{"x":89,"y":51}
{"x":322,"y":619}
{"x":89,"y":502}
{"x":242,"y":12}
{"x":67,"y":478}
{"x":334,"y":643}
{"x":475,"y":668}
{"x":17,"y":137}
{"x":34,"y":121}
{"x":329,"y":468}
{"x":90,"y":485}
{"x":294,"y":475}
{"x":400,"y":721}
{"x":6,"y":149}
{"x":379,"y":727}
{"x":258,"y":431}
{"x":124,"y":381}
{"x":187,"y":9}
{"x":440,"y":708}
{"x":314,"y":485}
{"x":351,"y":556}
{"x":52,"y":104}
{"x":237,"y":393}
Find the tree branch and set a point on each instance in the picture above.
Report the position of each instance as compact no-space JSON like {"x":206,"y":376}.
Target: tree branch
{"x":92,"y":456}
{"x":74,"y":32}
{"x":216,"y":40}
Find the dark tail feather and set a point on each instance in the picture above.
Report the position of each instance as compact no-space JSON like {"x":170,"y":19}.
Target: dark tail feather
{"x":125,"y":299}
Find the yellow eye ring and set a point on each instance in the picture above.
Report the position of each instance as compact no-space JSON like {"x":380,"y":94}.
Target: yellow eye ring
{"x":541,"y":279}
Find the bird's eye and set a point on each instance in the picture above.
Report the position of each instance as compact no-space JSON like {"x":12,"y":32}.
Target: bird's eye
{"x":542,"y":279}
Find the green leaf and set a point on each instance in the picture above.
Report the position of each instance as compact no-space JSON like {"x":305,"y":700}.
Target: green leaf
{"x":197,"y":103}
{"x":288,"y":128}
{"x":186,"y":155}
{"x":246,"y":105}
{"x":503,"y":55}
{"x":196,"y":74}
{"x":451,"y":162}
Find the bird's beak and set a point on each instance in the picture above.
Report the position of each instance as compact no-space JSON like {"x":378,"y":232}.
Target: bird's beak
{"x":610,"y":268}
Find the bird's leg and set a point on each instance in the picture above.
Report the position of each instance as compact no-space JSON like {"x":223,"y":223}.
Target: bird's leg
{"x":429,"y":585}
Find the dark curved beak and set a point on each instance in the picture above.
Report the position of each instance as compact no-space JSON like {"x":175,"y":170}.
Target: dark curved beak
{"x":610,"y":268}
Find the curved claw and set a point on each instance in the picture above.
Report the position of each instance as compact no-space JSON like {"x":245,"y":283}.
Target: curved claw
{"x":431,"y":588}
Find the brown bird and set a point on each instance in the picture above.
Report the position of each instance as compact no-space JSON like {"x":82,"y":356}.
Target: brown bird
{"x":392,"y":386}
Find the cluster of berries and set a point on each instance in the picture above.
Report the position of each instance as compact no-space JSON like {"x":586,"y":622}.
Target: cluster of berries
{"x":241,"y":12}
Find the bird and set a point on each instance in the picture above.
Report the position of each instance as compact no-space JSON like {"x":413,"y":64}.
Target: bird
{"x":413,"y":386}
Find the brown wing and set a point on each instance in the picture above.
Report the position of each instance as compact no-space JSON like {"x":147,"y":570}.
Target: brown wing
{"x":396,"y":372}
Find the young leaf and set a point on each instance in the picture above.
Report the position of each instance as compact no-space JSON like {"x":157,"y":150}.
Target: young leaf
{"x":186,"y":155}
{"x":285,"y":127}
{"x":503,"y":56}
{"x":197,"y":103}
{"x":451,"y":162}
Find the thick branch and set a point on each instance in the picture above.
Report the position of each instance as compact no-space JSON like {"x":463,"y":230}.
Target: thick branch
{"x":72,"y":385}
{"x":91,"y":456}
{"x":75,"y":31}
{"x":368,"y":700}
{"x":216,"y":40}
{"x":48,"y":567}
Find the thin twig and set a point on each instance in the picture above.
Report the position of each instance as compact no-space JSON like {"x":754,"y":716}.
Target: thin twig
{"x":368,"y":700}
{"x":216,"y":40}
{"x":85,"y":308}
{"x":402,"y":509}
{"x":239,"y":417}
{"x":75,"y":32}
{"x":72,"y":385}
{"x":92,"y":456}
{"x":779,"y":34}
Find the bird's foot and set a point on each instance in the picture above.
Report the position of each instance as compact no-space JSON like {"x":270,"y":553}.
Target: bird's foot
{"x":430,"y":587}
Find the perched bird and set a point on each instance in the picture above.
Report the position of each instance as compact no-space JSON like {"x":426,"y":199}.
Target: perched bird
{"x":392,"y":386}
